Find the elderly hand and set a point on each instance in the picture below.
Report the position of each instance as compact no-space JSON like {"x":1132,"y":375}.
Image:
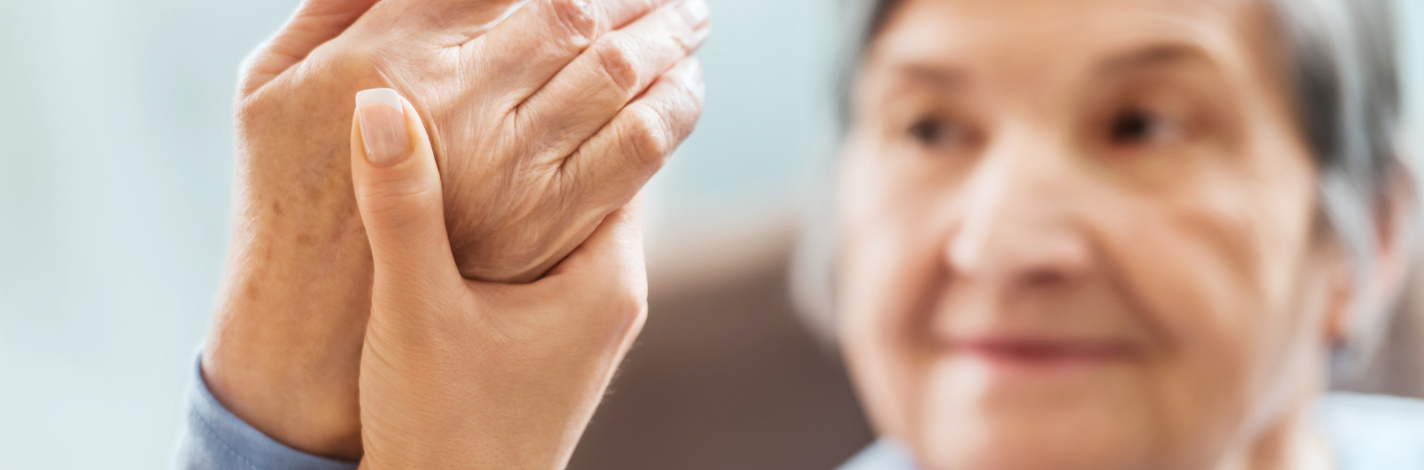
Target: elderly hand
{"x":465,"y":374}
{"x":543,"y":124}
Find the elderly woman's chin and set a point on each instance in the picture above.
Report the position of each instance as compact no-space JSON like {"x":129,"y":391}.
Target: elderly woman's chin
{"x":984,"y":416}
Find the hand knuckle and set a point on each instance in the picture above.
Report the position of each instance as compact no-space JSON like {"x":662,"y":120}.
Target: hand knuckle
{"x":696,"y":93}
{"x":628,"y":303}
{"x":617,"y":64}
{"x":252,"y":110}
{"x":578,"y":17}
{"x":635,"y":300}
{"x":647,"y":135}
{"x":397,"y":202}
{"x":386,"y":215}
{"x":684,"y":112}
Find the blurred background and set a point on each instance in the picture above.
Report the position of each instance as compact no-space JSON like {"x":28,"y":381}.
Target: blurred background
{"x":115,"y":174}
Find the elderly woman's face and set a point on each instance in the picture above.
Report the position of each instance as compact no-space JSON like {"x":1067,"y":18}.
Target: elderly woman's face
{"x":1082,"y":235}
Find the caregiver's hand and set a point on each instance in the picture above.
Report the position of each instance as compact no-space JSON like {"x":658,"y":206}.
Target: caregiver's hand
{"x":544,"y":123}
{"x":464,"y":374}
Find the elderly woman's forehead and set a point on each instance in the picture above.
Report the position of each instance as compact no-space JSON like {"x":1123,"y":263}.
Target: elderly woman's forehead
{"x":1062,"y":7}
{"x":1040,"y":31}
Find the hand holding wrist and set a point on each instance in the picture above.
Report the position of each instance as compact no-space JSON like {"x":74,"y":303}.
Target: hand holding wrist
{"x":460,"y":374}
{"x":527,"y":176}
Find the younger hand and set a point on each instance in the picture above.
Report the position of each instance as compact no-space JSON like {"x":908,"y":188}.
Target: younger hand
{"x":544,"y":123}
{"x":464,"y":374}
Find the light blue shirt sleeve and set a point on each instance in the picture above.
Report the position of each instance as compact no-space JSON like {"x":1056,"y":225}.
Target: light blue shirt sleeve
{"x":1373,"y":432}
{"x":214,"y":439}
{"x":884,"y":454}
{"x":1367,"y":432}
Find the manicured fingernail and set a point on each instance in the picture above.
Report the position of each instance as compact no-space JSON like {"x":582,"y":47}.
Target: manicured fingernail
{"x":383,"y":127}
{"x":695,"y":12}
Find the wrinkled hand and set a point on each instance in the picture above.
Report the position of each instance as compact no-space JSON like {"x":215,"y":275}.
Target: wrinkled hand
{"x":543,"y":123}
{"x":464,"y":374}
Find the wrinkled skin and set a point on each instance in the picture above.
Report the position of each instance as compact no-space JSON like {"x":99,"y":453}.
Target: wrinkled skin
{"x":543,"y":124}
{"x":465,"y":374}
{"x":1085,"y":235}
{"x":522,"y":120}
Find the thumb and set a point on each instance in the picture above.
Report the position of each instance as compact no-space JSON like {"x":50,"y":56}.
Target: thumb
{"x":398,"y":189}
{"x":316,"y":22}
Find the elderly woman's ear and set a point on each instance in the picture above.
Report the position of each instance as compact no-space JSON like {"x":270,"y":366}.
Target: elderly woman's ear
{"x":1397,"y":227}
{"x":1373,"y":294}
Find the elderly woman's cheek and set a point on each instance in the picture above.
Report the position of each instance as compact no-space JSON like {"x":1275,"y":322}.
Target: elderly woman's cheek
{"x":878,"y":287}
{"x":888,"y":269}
{"x":1192,"y":269}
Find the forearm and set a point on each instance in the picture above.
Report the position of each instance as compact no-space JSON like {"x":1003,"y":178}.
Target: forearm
{"x":285,"y":341}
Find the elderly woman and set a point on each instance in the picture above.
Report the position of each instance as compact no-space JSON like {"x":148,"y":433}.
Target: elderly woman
{"x":1101,"y":234}
{"x":1123,"y":234}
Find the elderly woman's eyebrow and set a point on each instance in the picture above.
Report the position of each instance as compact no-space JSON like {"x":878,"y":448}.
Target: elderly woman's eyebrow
{"x":933,"y":76}
{"x":1155,"y":55}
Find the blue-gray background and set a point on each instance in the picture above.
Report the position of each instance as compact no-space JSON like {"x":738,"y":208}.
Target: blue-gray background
{"x":115,"y":162}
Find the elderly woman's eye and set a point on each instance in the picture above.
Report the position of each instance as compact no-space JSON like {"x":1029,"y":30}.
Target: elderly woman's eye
{"x":934,"y":132}
{"x":1138,"y":127}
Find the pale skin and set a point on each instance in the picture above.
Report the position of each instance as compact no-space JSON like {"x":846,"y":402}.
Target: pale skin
{"x":1074,"y":235}
{"x":526,"y":177}
{"x":1086,"y":235}
{"x":467,"y":374}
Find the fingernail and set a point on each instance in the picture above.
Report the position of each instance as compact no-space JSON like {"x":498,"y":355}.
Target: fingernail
{"x":690,"y":73}
{"x":695,"y":12}
{"x":383,"y":127}
{"x":694,"y":77}
{"x":692,"y":70}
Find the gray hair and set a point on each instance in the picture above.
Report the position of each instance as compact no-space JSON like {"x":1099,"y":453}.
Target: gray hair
{"x":1341,"y":57}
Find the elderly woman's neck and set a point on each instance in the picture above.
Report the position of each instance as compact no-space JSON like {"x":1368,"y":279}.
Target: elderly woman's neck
{"x":1294,"y":442}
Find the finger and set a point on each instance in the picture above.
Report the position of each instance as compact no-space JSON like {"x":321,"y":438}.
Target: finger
{"x":607,"y":275}
{"x":314,"y":23}
{"x":398,"y":190}
{"x":614,"y":253}
{"x":617,"y":68}
{"x":622,"y":156}
{"x":440,"y":22}
{"x":544,"y":36}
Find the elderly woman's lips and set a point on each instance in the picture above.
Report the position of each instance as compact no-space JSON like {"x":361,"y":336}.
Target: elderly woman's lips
{"x":1042,"y":352}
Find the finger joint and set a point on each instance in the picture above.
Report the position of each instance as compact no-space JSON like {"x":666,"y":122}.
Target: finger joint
{"x":649,"y":135}
{"x":617,"y":63}
{"x":578,"y":17}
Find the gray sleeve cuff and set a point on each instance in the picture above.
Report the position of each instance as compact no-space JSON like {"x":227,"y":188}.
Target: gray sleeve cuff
{"x":214,"y":439}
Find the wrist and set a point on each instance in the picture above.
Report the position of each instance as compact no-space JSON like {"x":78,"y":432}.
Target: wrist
{"x":303,"y":425}
{"x":284,"y":347}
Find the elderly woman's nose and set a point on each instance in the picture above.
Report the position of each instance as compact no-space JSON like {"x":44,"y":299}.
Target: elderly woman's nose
{"x":1017,"y":226}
